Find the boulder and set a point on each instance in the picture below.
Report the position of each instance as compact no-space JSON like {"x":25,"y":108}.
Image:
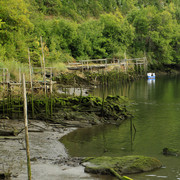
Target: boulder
{"x":171,"y":152}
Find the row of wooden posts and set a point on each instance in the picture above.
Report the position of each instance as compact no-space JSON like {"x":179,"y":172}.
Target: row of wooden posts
{"x":25,"y":110}
{"x":6,"y":81}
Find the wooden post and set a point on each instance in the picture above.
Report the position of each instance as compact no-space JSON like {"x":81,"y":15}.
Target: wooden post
{"x":3,"y":91}
{"x":43,"y":66}
{"x":145,"y":65}
{"x":19,"y":75}
{"x":82,"y":65}
{"x":125,"y":65}
{"x":8,"y":77}
{"x":125,"y":62}
{"x":51,"y":84}
{"x":26,"y":129}
{"x":3,"y":79}
{"x":136,"y":67}
{"x":30,"y":69}
{"x":31,"y":82}
{"x":3,"y":76}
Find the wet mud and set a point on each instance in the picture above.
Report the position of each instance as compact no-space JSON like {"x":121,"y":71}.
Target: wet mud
{"x":49,"y":158}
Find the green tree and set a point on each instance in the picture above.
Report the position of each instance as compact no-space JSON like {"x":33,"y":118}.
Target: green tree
{"x":88,"y":43}
{"x":118,"y":32}
{"x":154,"y":33}
{"x":50,"y":7}
{"x":16,"y":23}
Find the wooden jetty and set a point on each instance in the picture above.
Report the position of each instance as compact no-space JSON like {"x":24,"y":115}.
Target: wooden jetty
{"x":123,"y":64}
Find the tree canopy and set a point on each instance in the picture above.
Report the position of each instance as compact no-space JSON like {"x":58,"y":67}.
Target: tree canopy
{"x":82,"y":29}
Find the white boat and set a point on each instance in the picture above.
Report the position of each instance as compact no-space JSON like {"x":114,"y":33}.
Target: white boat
{"x":151,"y":75}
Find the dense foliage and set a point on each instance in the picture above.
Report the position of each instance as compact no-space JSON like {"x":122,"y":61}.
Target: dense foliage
{"x":82,"y":29}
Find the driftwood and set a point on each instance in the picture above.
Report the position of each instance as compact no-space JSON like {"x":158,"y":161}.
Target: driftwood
{"x":7,"y":133}
{"x":3,"y":138}
{"x":32,"y":124}
{"x":35,"y":130}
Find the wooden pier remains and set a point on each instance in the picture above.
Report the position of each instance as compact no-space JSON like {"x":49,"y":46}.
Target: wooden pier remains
{"x":123,"y":64}
{"x":11,"y":90}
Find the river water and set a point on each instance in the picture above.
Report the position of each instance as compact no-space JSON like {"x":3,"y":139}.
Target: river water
{"x":156,"y":109}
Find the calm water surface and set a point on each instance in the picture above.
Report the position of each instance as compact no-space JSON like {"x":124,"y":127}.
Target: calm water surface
{"x":156,"y":106}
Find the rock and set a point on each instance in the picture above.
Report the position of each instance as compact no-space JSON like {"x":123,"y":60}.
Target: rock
{"x":72,"y":162}
{"x":33,"y":159}
{"x":171,"y":151}
{"x":5,"y":175}
{"x":120,"y":165}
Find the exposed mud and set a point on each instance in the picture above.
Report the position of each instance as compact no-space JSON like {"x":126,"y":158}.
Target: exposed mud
{"x":49,"y":159}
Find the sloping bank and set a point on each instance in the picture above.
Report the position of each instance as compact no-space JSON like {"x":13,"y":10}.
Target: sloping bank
{"x":83,"y":111}
{"x":78,"y":111}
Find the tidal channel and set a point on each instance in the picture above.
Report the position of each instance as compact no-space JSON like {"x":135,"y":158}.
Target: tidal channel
{"x":156,"y":108}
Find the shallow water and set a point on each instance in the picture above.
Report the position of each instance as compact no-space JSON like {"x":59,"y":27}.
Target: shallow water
{"x":156,"y":106}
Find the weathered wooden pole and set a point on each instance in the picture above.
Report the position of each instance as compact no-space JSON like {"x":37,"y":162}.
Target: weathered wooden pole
{"x":145,"y":65}
{"x":31,"y":82}
{"x":19,"y":75}
{"x":51,"y":84}
{"x":41,"y":65}
{"x":125,"y":62}
{"x":44,"y":69}
{"x":44,"y":77}
{"x":82,"y":65}
{"x":3,"y":76}
{"x":4,"y":80}
{"x":26,"y":130}
{"x":30,"y":69}
{"x":19,"y":92}
{"x":3,"y":90}
{"x":8,"y":77}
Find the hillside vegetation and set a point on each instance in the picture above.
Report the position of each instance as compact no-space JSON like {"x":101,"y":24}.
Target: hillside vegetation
{"x":87,"y":29}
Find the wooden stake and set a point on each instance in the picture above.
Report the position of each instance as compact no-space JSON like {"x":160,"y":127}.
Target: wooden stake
{"x":26,"y":129}
{"x":125,"y":61}
{"x":19,"y":75}
{"x":43,"y":66}
{"x":3,"y":79}
{"x":31,"y":82}
{"x":51,"y":84}
{"x":30,"y":69}
{"x":8,"y":77}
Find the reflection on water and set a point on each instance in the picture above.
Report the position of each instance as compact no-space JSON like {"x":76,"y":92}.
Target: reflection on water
{"x":156,"y":106}
{"x":151,"y":81}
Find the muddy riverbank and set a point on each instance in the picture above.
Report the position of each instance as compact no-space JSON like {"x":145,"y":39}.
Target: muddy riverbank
{"x":49,"y":159}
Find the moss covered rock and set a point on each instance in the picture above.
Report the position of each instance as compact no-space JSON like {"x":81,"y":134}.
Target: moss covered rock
{"x":120,"y":165}
{"x":171,"y":151}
